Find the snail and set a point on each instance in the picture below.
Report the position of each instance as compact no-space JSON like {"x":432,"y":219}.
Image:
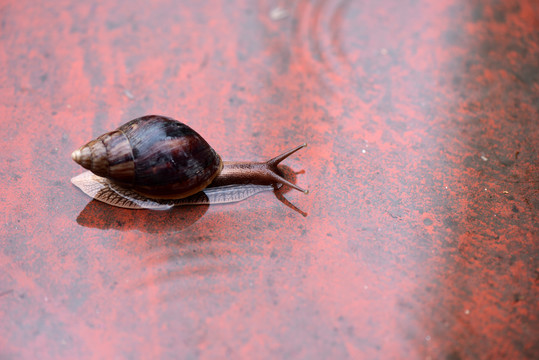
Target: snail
{"x":156,"y":162}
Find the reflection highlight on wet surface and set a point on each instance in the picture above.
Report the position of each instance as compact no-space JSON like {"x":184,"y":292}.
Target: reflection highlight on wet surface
{"x":186,"y":266}
{"x":310,"y":41}
{"x":183,"y":262}
{"x":317,"y":36}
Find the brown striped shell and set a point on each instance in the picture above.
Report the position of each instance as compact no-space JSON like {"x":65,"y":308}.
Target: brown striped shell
{"x":156,"y":156}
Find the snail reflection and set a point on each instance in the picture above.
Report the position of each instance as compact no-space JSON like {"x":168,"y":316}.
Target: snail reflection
{"x":101,"y":216}
{"x":155,"y":162}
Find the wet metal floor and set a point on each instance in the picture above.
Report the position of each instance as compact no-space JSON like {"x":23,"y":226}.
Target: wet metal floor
{"x":419,"y":238}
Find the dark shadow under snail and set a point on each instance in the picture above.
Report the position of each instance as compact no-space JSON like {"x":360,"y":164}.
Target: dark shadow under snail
{"x":155,"y":162}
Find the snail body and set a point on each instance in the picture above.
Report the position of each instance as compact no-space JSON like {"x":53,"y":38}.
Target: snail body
{"x":156,"y":157}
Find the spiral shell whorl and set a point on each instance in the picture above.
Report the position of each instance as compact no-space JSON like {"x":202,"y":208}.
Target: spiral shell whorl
{"x":108,"y":156}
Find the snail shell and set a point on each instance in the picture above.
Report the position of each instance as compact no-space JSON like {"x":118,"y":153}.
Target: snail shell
{"x":155,"y":156}
{"x":155,"y":162}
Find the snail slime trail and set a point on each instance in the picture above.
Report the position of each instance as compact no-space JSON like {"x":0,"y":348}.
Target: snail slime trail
{"x":158,"y":162}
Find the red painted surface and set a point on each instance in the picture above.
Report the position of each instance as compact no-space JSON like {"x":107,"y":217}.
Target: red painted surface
{"x":421,"y":239}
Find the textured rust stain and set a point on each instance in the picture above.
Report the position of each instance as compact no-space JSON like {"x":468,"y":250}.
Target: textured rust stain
{"x":420,"y":238}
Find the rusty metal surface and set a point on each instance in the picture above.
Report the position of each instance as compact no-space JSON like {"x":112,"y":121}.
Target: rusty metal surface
{"x":420,"y":238}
